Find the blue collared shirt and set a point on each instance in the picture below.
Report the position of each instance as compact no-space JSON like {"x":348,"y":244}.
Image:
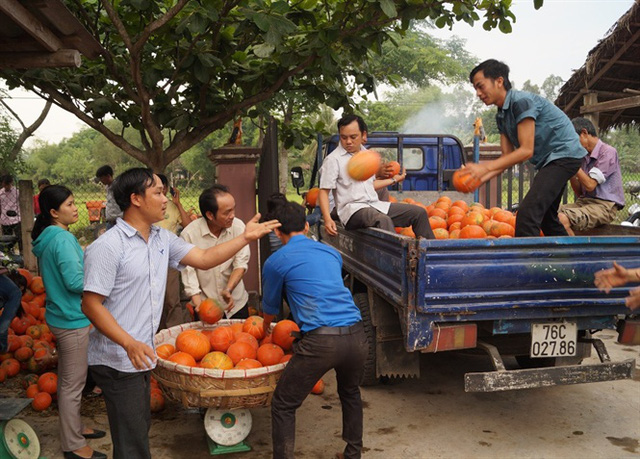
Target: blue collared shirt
{"x":555,"y":136}
{"x":310,"y":274}
{"x":131,"y":274}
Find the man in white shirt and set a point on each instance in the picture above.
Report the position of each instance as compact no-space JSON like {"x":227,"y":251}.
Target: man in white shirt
{"x":357,"y":203}
{"x":224,"y":282}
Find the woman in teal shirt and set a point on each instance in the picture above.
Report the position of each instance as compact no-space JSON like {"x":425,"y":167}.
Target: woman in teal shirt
{"x":61,"y":265}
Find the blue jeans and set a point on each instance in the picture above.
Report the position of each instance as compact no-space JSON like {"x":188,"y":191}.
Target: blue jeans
{"x":10,"y":297}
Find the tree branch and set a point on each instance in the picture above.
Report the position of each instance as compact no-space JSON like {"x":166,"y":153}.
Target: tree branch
{"x":155,"y":25}
{"x":117,"y":23}
{"x":155,"y":133}
{"x":62,"y":101}
{"x":28,"y":131}
{"x":185,"y":140}
{"x":15,"y":115}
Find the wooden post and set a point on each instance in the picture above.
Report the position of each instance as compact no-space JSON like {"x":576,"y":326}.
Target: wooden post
{"x":591,"y":98}
{"x":25,"y":187}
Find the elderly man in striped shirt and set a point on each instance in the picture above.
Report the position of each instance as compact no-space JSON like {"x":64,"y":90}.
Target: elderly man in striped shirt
{"x":124,"y":285}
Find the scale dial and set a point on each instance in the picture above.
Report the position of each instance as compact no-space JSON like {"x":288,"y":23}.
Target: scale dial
{"x":20,"y":439}
{"x":227,"y":427}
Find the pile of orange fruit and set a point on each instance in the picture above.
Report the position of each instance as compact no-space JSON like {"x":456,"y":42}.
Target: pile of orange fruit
{"x":32,"y":347}
{"x":459,"y":220}
{"x":241,"y":345}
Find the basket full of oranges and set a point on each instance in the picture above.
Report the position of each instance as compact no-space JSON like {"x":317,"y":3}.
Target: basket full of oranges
{"x":226,"y":365}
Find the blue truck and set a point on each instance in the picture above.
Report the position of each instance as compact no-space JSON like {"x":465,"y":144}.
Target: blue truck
{"x":529,"y":304}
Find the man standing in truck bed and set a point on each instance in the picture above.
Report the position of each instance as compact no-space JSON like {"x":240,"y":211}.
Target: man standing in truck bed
{"x":357,"y":203}
{"x":531,"y":128}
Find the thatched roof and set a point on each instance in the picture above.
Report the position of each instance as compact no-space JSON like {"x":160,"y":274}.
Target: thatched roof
{"x":42,"y":33}
{"x":612,"y":71}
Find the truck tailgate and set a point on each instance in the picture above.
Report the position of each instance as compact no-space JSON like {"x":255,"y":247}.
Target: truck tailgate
{"x":540,"y":277}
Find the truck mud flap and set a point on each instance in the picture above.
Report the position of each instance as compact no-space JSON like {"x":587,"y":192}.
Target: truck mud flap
{"x":530,"y":378}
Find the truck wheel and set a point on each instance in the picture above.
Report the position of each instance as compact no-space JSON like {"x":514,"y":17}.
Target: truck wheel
{"x":369,"y":377}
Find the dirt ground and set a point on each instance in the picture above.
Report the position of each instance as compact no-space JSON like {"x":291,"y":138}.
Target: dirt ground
{"x":429,"y":417}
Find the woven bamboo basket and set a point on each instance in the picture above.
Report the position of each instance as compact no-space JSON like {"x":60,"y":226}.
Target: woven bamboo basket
{"x":208,"y":388}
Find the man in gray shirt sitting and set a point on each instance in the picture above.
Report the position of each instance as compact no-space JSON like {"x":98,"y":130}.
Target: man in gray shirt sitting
{"x":357,"y":202}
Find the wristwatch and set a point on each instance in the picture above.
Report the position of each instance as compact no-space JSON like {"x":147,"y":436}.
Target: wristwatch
{"x":393,"y":181}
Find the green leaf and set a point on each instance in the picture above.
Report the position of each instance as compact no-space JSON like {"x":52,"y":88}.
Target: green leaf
{"x":201,"y":72}
{"x":208,"y":60}
{"x":505,"y":26}
{"x":198,"y":24}
{"x":537,"y":4}
{"x":99,"y":107}
{"x":180,"y":122}
{"x":140,"y":5}
{"x":308,"y":5}
{"x":239,"y":56}
{"x":388,"y":8}
{"x":264,"y":50}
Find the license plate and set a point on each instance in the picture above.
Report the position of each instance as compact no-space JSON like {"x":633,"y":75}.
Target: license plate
{"x":554,"y":339}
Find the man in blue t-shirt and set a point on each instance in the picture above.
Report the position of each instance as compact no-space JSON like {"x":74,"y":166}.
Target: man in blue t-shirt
{"x":531,"y":128}
{"x":310,"y":274}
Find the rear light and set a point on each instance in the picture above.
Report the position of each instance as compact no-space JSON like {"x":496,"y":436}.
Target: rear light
{"x":447,"y":337}
{"x":629,"y":331}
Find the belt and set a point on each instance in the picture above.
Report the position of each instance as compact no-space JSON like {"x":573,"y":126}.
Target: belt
{"x":348,"y":330}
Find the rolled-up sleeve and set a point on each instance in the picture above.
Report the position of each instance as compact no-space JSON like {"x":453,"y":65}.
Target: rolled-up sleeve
{"x":178,"y":249}
{"x":188,"y":274}
{"x":241,"y":259}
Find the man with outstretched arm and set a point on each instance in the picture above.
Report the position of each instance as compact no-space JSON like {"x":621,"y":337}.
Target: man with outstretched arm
{"x":124,"y":286}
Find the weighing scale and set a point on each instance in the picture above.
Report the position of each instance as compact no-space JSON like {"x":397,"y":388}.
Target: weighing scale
{"x":17,"y":439}
{"x":226,"y":430}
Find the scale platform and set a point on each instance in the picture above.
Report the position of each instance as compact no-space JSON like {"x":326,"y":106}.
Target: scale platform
{"x":226,"y":430}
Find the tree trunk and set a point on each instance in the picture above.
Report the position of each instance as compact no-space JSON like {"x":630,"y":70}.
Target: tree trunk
{"x":283,"y":155}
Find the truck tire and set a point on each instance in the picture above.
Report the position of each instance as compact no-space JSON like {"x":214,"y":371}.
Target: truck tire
{"x":369,"y":377}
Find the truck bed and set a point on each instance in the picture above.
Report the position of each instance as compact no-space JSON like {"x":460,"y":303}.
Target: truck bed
{"x":507,"y":282}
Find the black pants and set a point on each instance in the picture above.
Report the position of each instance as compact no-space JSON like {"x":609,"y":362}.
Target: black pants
{"x":399,"y":215}
{"x":314,"y":355}
{"x":127,"y":396}
{"x":539,"y":208}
